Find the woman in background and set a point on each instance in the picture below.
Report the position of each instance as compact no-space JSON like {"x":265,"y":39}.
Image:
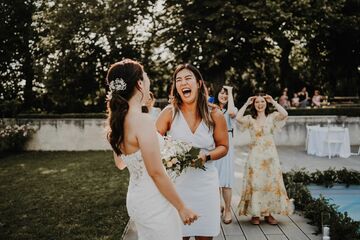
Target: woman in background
{"x":316,"y":99}
{"x":225,"y":166}
{"x":153,"y":111}
{"x":264,"y":192}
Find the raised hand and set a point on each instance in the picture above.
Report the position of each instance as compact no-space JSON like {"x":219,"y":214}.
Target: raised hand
{"x":227,"y":88}
{"x":188,"y":216}
{"x":269,"y":99}
{"x":250,"y":101}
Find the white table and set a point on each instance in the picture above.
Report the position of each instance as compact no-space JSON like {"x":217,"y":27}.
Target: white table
{"x":318,"y":141}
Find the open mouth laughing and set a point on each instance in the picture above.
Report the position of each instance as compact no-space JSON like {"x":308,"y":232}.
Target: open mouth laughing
{"x":186,"y":92}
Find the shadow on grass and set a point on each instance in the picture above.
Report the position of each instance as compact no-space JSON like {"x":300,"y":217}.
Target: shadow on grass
{"x":62,"y":195}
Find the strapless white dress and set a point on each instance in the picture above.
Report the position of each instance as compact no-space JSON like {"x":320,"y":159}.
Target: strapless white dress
{"x":154,"y":216}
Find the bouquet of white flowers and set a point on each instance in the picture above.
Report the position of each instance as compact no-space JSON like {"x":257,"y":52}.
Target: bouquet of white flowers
{"x":178,"y":155}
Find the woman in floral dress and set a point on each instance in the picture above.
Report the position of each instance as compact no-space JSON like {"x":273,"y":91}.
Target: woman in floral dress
{"x":264,"y":192}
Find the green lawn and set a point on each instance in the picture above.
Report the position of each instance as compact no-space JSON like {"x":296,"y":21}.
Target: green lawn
{"x":62,"y":195}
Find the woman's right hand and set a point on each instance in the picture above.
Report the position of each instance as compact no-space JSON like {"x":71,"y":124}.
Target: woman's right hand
{"x":250,"y":101}
{"x":228,"y":88}
{"x":188,"y":216}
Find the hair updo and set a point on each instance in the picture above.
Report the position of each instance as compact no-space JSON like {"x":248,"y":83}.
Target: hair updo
{"x":127,"y":72}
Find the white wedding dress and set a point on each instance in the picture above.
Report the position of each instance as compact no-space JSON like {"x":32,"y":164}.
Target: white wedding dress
{"x":155,"y":218}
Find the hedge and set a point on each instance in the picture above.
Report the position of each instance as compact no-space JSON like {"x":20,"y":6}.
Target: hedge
{"x":342,"y":226}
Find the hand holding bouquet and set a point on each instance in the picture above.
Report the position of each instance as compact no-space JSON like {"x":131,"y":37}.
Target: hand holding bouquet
{"x":178,"y":155}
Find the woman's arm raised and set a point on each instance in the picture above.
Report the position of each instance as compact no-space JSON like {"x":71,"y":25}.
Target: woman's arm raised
{"x":278,"y":107}
{"x":242,"y":110}
{"x":231,"y":106}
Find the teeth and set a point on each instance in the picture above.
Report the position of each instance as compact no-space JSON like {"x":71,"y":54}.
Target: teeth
{"x":186,"y":92}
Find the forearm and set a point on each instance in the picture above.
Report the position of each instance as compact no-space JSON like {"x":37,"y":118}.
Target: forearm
{"x":280,"y":109}
{"x":219,"y":152}
{"x":231,"y":105}
{"x":167,"y":189}
{"x":241,"y":112}
{"x":119,"y":163}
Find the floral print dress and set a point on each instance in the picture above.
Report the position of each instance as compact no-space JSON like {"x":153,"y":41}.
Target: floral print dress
{"x":263,"y":192}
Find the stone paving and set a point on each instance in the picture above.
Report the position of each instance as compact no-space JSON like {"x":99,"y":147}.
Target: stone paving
{"x":293,"y":227}
{"x":296,"y":158}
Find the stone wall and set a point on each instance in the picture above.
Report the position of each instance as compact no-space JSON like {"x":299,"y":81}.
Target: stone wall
{"x":90,"y":134}
{"x":294,"y":132}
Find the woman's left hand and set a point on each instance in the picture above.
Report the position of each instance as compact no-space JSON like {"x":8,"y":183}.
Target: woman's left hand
{"x":202,"y":156}
{"x":269,"y":99}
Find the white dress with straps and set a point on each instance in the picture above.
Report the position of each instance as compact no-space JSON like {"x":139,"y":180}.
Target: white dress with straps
{"x":199,"y":189}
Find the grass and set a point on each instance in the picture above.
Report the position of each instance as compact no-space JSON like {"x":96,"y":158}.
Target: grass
{"x":62,"y":195}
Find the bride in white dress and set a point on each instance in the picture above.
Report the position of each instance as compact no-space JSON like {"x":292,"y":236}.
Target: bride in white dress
{"x":152,"y":201}
{"x":189,"y":119}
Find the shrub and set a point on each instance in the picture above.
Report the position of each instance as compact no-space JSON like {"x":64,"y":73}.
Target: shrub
{"x":341,"y":111}
{"x":9,"y":108}
{"x":14,"y":137}
{"x":341,"y":225}
{"x":327,"y":178}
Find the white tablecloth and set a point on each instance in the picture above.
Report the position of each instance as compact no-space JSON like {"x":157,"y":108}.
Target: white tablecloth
{"x":317,"y":141}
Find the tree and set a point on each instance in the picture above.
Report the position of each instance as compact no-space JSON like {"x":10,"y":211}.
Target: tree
{"x":265,"y":44}
{"x":16,"y":63}
{"x":82,"y":39}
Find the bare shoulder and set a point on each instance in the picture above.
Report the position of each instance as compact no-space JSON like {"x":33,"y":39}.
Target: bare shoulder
{"x":165,"y":116}
{"x":167,"y":112}
{"x":142,"y":120}
{"x":137,"y":121}
{"x":163,"y":122}
{"x":216,"y":114}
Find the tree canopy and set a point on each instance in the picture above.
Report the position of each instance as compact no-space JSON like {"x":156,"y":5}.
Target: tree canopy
{"x":55,"y":54}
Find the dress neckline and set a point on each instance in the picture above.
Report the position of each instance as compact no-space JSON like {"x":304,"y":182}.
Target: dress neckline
{"x":187,"y":125}
{"x":261,"y":126}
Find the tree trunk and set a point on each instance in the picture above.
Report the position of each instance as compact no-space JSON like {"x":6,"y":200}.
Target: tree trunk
{"x":27,"y":68}
{"x":288,"y":78}
{"x":28,"y":72}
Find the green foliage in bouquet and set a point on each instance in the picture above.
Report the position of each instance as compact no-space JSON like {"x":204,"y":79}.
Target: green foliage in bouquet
{"x":14,"y":137}
{"x":178,"y":155}
{"x":196,"y":162}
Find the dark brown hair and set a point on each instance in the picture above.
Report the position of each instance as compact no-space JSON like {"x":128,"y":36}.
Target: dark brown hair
{"x":117,"y":103}
{"x":253,"y":110}
{"x":216,"y":98}
{"x":202,"y":105}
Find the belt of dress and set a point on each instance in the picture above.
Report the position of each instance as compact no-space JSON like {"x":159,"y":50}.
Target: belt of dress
{"x":232,"y":132}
